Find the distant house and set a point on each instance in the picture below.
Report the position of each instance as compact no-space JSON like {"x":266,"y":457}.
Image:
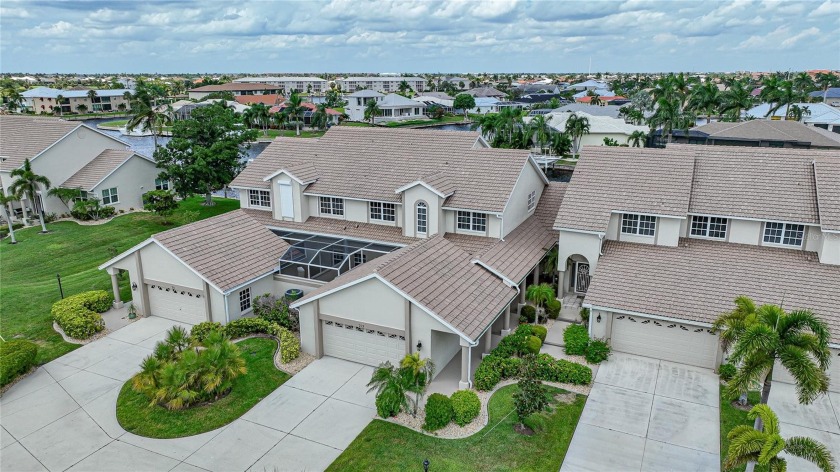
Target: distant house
{"x":600,"y":127}
{"x":757,"y":133}
{"x":271,"y":99}
{"x":41,"y":100}
{"x":539,"y":88}
{"x":234,"y":88}
{"x":486,"y":92}
{"x":392,"y":107}
{"x":288,"y":85}
{"x":532,"y":98}
{"x":380,"y":84}
{"x":604,"y":99}
{"x":820,"y":115}
{"x":612,"y":111}
{"x":590,"y":85}
{"x":332,"y":115}
{"x":437,"y":98}
{"x":830,"y":96}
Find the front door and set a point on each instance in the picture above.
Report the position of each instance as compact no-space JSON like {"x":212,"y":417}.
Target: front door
{"x":581,"y":277}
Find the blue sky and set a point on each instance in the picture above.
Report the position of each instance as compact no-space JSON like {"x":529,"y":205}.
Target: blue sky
{"x":168,"y":36}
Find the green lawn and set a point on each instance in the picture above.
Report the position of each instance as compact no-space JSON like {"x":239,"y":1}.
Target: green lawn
{"x":115,"y":123}
{"x":273,"y":133}
{"x":136,"y":416}
{"x":731,"y":417}
{"x":387,"y":446}
{"x":28,"y":286}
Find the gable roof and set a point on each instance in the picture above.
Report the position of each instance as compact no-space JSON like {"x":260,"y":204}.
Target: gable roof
{"x":598,"y":124}
{"x":269,"y":99}
{"x":396,"y":100}
{"x":47,"y":92}
{"x":817,"y":112}
{"x":101,"y":166}
{"x":770,"y":130}
{"x":366,"y":93}
{"x":24,"y":137}
{"x":827,"y":175}
{"x":226,"y":250}
{"x":659,"y":285}
{"x":635,"y":180}
{"x":485,"y":92}
{"x":441,"y":278}
{"x":372,"y":163}
{"x":832,"y":92}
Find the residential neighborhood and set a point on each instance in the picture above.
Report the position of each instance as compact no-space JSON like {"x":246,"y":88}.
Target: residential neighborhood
{"x":472,"y":236}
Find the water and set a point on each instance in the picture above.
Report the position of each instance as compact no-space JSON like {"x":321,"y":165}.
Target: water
{"x":452,"y":127}
{"x":145,"y":145}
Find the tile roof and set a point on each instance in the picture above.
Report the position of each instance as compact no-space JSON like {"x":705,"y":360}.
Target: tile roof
{"x":227,"y":250}
{"x":817,"y":112}
{"x":234,"y":87}
{"x":827,"y":172}
{"x":771,"y":130}
{"x":335,"y":227}
{"x":761,"y":183}
{"x":597,"y":123}
{"x":638,"y":180}
{"x":269,"y":99}
{"x":485,"y":92}
{"x":97,"y":169}
{"x":24,"y":137}
{"x":440,"y":277}
{"x":385,"y":159}
{"x":714,"y":274}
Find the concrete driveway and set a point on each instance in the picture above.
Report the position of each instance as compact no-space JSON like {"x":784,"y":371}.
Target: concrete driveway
{"x":820,"y":420}
{"x":63,"y":416}
{"x":648,"y":415}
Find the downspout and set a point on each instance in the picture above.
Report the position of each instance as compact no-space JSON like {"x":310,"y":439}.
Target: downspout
{"x":601,"y":237}
{"x":227,"y":310}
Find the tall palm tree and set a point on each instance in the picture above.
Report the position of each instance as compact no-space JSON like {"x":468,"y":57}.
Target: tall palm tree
{"x":637,"y":138}
{"x":540,"y":131}
{"x":770,"y":91}
{"x":294,"y":111}
{"x":540,"y":295}
{"x":748,"y":446}
{"x":826,"y":81}
{"x":320,"y":117}
{"x":561,"y":144}
{"x":5,"y":201}
{"x":257,"y":114}
{"x":372,"y":111}
{"x":667,"y":116}
{"x":28,"y":184}
{"x":576,"y":127}
{"x":785,"y":95}
{"x":736,"y":99}
{"x":92,"y":97}
{"x":145,"y":114}
{"x":59,"y":100}
{"x":706,"y":99}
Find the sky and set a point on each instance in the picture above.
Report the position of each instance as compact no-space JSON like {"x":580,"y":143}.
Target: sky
{"x":447,"y":36}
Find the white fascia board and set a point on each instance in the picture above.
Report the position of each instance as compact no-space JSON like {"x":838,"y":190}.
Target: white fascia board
{"x":537,"y":168}
{"x":627,"y":212}
{"x":498,"y":274}
{"x":284,"y":171}
{"x":122,"y":256}
{"x":304,"y":301}
{"x":646,"y":315}
{"x":424,"y":184}
{"x":582,"y":231}
{"x":494,"y":213}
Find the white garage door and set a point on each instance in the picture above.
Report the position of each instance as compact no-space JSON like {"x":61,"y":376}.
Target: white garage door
{"x":354,"y":342}
{"x":675,"y":342}
{"x":178,"y":304}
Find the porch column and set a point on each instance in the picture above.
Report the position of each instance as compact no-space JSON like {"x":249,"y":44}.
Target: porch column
{"x":506,"y":326}
{"x":115,"y":286}
{"x":522,"y":293}
{"x":465,"y":381}
{"x":536,"y":274}
{"x":488,"y":341}
{"x":319,"y":334}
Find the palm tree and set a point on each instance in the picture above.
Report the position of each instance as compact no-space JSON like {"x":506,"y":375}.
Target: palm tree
{"x":826,"y":81}
{"x":637,"y":138}
{"x":372,"y":110}
{"x":550,"y":264}
{"x":92,"y":97}
{"x":320,"y":117}
{"x":59,"y":100}
{"x":595,"y":100}
{"x":5,"y":201}
{"x":705,"y":98}
{"x":81,"y":108}
{"x":798,"y":340}
{"x":257,"y":114}
{"x":576,"y":127}
{"x":785,"y":95}
{"x":421,"y":371}
{"x":540,"y":131}
{"x":403,"y":88}
{"x":121,"y":107}
{"x":540,"y":295}
{"x":667,"y":116}
{"x":28,"y":184}
{"x":736,"y":99}
{"x":144,"y":113}
{"x":748,"y":446}
{"x":390,"y":382}
{"x":294,"y":111}
{"x":561,"y":144}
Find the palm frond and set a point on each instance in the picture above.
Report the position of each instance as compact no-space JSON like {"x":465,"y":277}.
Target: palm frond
{"x":812,"y":451}
{"x":811,"y":380}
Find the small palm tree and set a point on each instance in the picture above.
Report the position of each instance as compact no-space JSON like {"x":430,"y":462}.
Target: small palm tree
{"x":28,"y":184}
{"x":637,"y":138}
{"x":576,"y":127}
{"x":540,"y":295}
{"x":81,"y":108}
{"x":392,"y":384}
{"x":320,"y":118}
{"x":92,"y":95}
{"x":540,"y":131}
{"x":421,"y":372}
{"x":372,"y":110}
{"x":763,"y":446}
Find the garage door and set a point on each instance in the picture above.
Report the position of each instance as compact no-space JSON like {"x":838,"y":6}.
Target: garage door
{"x":353,"y":342}
{"x":834,"y":371}
{"x":675,"y":342}
{"x":178,"y":304}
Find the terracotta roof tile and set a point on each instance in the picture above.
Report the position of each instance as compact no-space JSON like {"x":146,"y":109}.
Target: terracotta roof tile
{"x":335,"y":227}
{"x":771,"y":130}
{"x":827,"y":171}
{"x":714,"y":274}
{"x":94,"y":171}
{"x":24,"y":137}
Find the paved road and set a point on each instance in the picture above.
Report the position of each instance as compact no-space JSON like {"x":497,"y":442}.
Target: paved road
{"x":63,"y":416}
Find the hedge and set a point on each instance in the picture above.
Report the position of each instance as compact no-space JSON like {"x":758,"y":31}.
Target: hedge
{"x":597,"y":351}
{"x":289,"y":344}
{"x":439,"y":412}
{"x":201,"y":330}
{"x":552,"y":309}
{"x":576,"y":338}
{"x":540,"y":332}
{"x":246,"y":326}
{"x":528,"y":312}
{"x":78,"y":315}
{"x":17,"y":356}
{"x":466,"y":406}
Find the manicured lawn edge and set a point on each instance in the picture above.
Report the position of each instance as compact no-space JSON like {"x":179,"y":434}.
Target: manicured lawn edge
{"x":136,"y":416}
{"x":384,"y":445}
{"x":731,"y":417}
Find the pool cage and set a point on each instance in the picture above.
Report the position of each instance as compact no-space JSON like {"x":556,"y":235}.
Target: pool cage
{"x":324,"y":258}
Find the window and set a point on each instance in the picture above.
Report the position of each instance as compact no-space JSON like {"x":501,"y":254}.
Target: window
{"x":161,"y":184}
{"x":532,"y":200}
{"x":259,"y":198}
{"x":709,"y":227}
{"x":109,"y":196}
{"x":332,"y":206}
{"x":245,"y":299}
{"x":784,"y":233}
{"x":83,"y":196}
{"x":472,"y":221}
{"x":383,"y":211}
{"x":359,"y":258}
{"x":642,"y":225}
{"x":422,"y":218}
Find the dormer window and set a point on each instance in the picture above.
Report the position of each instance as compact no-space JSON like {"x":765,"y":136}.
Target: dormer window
{"x":709,"y":227}
{"x":383,"y":211}
{"x":642,"y":225}
{"x":532,"y":200}
{"x":259,"y":198}
{"x":472,"y":221}
{"x":422,"y":218}
{"x":784,"y":234}
{"x":332,"y":206}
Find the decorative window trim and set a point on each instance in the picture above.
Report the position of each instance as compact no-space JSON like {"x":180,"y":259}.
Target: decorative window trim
{"x":422,"y":218}
{"x":638,"y":225}
{"x":331,"y":206}
{"x":110,"y":196}
{"x":777,"y":233}
{"x":471,"y":221}
{"x":259,"y":198}
{"x":381,"y":211}
{"x":245,"y":299}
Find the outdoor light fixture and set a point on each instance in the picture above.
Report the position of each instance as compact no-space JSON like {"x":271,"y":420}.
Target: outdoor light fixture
{"x":426,"y":465}
{"x":598,"y":319}
{"x":419,"y":345}
{"x":134,"y":286}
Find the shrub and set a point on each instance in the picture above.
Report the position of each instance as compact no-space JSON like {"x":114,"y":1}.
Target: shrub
{"x":200,"y":331}
{"x":584,"y":314}
{"x":540,"y":332}
{"x":246,"y":326}
{"x":552,"y":309}
{"x":439,"y":412}
{"x":576,"y":338}
{"x":562,"y":371}
{"x":533,"y":345}
{"x":528,"y":312}
{"x":532,"y":396}
{"x":391,"y":384}
{"x":289,"y":345}
{"x":488,"y":373}
{"x":78,"y":315}
{"x":387,"y":404}
{"x":727,"y":371}
{"x":523,"y":320}
{"x":466,"y":406}
{"x":276,"y":310}
{"x":91,"y":210}
{"x":510,"y":367}
{"x":597,"y":351}
{"x":17,"y":356}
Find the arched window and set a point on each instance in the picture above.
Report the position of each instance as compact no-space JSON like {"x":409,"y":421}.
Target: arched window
{"x":422,"y":218}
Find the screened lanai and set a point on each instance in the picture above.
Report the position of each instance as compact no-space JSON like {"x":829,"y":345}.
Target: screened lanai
{"x":324,"y":258}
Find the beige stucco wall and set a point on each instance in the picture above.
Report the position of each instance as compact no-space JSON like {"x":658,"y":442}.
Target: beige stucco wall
{"x":370,"y":301}
{"x":132,"y":180}
{"x":217,"y":306}
{"x":285,"y":282}
{"x":435,"y":213}
{"x":744,"y":231}
{"x":258,"y":287}
{"x":668,"y":231}
{"x":829,"y":250}
{"x":517,"y":207}
{"x":577,"y":244}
